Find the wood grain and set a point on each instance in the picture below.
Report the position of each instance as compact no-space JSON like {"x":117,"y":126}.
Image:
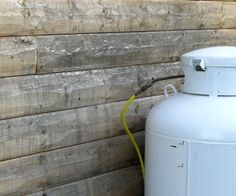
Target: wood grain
{"x":60,"y":53}
{"x":18,"y":56}
{"x":47,"y":93}
{"x":41,"y":171}
{"x":93,"y":51}
{"x":127,"y":181}
{"x":34,"y":134}
{"x":226,"y":37}
{"x":35,"y":17}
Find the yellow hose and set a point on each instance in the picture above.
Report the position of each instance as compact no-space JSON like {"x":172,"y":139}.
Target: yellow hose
{"x":126,"y":128}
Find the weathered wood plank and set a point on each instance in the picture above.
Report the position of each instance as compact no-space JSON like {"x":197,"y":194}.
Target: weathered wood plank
{"x":34,"y":17}
{"x":18,"y":56}
{"x":49,"y":169}
{"x":80,"y":52}
{"x":226,"y":37}
{"x":46,"y":93}
{"x":34,"y":134}
{"x":123,"y":182}
{"x":95,"y":51}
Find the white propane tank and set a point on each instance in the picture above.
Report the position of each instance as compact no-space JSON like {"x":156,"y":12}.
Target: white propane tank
{"x":190,"y":145}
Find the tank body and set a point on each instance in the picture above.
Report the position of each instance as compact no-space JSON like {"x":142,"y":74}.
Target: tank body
{"x":190,"y":140}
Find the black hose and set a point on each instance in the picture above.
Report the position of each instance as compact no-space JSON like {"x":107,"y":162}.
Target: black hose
{"x":151,"y":82}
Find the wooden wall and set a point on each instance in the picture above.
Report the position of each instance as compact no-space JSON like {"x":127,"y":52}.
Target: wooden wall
{"x":66,"y":68}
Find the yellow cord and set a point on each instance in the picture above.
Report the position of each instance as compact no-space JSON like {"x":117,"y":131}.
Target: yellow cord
{"x":125,"y":126}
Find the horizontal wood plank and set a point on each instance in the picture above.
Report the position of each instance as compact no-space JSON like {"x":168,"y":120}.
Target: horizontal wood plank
{"x":41,"y":171}
{"x":47,"y":93}
{"x":81,"y":52}
{"x":226,"y":37}
{"x":93,"y":51}
{"x":35,"y":17}
{"x":18,"y":56}
{"x":97,"y":51}
{"x":34,"y":134}
{"x":123,"y":182}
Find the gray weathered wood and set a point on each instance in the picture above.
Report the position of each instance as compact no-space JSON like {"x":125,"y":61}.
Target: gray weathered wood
{"x":47,"y":93}
{"x":226,"y":37}
{"x":95,"y":51}
{"x":33,"y":134}
{"x":41,"y":171}
{"x":79,"y":52}
{"x":21,"y":17}
{"x":123,"y":182}
{"x":18,"y":56}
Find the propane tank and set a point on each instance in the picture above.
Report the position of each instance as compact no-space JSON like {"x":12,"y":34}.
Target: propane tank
{"x":190,"y":145}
